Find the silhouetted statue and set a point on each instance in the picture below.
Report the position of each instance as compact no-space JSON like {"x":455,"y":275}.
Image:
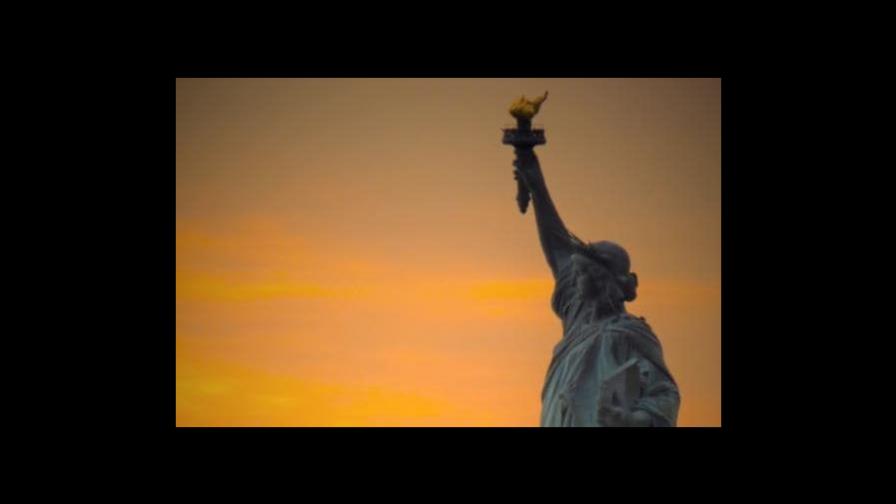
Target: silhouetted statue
{"x":608,"y":369}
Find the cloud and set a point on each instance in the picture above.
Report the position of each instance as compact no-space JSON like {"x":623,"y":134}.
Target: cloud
{"x":215,"y":393}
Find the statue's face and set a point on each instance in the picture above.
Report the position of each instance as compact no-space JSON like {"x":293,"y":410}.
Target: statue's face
{"x":589,"y":276}
{"x":597,"y":284}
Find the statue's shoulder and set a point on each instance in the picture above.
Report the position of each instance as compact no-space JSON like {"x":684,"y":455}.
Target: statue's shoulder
{"x":632,"y":326}
{"x":564,"y":295}
{"x":627,"y":320}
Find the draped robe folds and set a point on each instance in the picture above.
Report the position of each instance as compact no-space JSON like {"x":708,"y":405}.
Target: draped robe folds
{"x":591,"y":351}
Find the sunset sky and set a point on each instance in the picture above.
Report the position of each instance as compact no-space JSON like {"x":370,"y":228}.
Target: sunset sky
{"x":349,"y":251}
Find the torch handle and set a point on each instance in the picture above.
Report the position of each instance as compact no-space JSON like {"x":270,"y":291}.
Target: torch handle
{"x":522,"y":195}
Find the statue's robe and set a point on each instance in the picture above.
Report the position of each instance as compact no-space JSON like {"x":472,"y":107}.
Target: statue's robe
{"x":591,"y":351}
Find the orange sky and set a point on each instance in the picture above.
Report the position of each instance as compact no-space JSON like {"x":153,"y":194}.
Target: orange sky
{"x":349,"y":251}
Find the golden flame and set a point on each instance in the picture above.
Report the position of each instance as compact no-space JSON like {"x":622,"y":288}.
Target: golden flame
{"x":526,"y":109}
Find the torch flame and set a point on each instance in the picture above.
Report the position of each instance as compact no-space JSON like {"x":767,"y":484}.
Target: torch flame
{"x":525,"y":109}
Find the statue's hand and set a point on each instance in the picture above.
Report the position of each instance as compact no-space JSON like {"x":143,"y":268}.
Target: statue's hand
{"x":613,"y":416}
{"x":525,"y":160}
{"x":608,"y":414}
{"x":520,"y":175}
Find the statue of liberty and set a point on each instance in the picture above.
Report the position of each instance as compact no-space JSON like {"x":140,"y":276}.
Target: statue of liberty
{"x":608,"y":368}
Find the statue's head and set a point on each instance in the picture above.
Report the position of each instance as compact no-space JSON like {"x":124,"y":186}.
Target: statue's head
{"x":603,"y":274}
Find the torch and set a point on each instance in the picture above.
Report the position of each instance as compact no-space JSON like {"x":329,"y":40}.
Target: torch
{"x":524,"y":137}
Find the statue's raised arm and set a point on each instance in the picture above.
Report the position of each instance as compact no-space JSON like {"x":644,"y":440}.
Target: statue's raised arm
{"x":556,"y":241}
